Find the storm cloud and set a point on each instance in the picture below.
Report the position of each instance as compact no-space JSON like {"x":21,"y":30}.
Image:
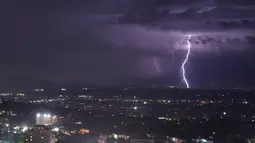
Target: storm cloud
{"x":103,"y":42}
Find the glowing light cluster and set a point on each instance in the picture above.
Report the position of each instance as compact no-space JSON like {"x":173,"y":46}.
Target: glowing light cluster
{"x":44,"y":115}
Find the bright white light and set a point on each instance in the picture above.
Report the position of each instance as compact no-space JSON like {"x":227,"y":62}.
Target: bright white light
{"x":55,"y":129}
{"x":16,"y":128}
{"x":224,"y":113}
{"x":44,"y":115}
{"x":115,"y":136}
{"x":38,"y":115}
{"x":174,"y":139}
{"x":7,"y":125}
{"x":24,"y":129}
{"x":48,"y":115}
{"x":135,"y":108}
{"x":184,"y":63}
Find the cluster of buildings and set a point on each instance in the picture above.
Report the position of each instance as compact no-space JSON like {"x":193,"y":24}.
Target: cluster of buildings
{"x":43,"y":131}
{"x":122,"y":115}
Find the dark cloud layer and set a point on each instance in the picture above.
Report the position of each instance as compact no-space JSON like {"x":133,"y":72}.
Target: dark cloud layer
{"x":116,"y":42}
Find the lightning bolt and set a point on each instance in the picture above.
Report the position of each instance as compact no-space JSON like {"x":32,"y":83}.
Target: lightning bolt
{"x":156,"y":64}
{"x":184,"y":78}
{"x":178,"y":46}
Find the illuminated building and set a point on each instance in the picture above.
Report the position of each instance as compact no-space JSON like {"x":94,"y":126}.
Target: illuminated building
{"x":45,"y":119}
{"x":40,"y":134}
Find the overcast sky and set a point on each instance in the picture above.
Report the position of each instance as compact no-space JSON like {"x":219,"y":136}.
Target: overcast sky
{"x":119,"y":42}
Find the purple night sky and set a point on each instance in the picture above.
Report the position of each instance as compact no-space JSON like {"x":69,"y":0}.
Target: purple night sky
{"x":120,"y":42}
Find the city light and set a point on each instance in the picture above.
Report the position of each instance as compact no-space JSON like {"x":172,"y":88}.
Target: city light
{"x":48,"y":115}
{"x":115,"y":136}
{"x":24,"y":129}
{"x":45,"y":118}
{"x":16,"y":128}
{"x":44,"y":115}
{"x":38,"y":115}
{"x":55,"y":129}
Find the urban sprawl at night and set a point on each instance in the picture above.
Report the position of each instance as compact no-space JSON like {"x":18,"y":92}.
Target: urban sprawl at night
{"x":128,"y":115}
